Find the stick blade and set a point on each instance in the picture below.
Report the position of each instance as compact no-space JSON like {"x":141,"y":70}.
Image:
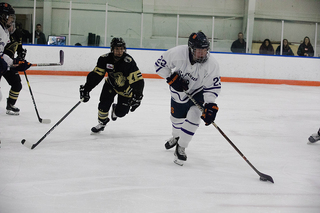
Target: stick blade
{"x":45,"y":121}
{"x":27,"y":144}
{"x":61,"y":57}
{"x":264,"y":177}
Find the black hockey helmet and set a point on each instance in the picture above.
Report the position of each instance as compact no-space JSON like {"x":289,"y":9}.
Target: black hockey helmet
{"x":199,"y":41}
{"x":5,"y":11}
{"x":117,"y":42}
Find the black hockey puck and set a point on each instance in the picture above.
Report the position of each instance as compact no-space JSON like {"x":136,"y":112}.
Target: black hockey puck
{"x":23,"y":140}
{"x":263,"y":179}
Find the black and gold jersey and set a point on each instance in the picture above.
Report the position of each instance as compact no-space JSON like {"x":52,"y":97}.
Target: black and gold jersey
{"x":124,"y":75}
{"x":15,"y":44}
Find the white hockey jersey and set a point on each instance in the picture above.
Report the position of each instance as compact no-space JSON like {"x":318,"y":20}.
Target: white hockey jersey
{"x":200,"y":76}
{"x":4,"y":40}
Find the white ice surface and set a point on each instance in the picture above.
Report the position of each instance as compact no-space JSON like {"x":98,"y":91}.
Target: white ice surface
{"x":127,"y":169}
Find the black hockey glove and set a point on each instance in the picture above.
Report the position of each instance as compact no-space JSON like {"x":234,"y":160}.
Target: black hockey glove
{"x":84,"y":94}
{"x":177,"y":83}
{"x":135,"y":101}
{"x":20,"y":65}
{"x":209,"y":113}
{"x":22,"y":54}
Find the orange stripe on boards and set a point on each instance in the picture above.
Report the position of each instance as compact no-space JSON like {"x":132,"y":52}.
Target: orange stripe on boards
{"x":156,"y":76}
{"x":148,"y":75}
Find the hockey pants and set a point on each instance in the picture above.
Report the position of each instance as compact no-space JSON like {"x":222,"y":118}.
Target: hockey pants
{"x":106,"y":100}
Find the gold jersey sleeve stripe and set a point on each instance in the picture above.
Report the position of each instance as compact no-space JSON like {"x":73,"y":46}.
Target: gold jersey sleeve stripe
{"x":135,"y":76}
{"x":99,"y":71}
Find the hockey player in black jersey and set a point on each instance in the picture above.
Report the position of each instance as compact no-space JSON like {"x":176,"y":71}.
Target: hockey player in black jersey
{"x":124,"y":80}
{"x":12,"y":76}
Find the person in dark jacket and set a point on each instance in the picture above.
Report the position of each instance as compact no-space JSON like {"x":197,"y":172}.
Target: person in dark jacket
{"x":306,"y":49}
{"x":239,"y":45}
{"x":40,"y":38}
{"x":26,"y":35}
{"x":266,"y":48}
{"x":286,"y":49}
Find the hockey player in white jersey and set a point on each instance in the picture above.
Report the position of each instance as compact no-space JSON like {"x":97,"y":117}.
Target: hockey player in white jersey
{"x":7,"y":21}
{"x":189,"y":69}
{"x":7,"y":18}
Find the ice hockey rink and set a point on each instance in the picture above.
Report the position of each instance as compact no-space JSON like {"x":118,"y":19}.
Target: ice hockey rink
{"x":127,"y":169}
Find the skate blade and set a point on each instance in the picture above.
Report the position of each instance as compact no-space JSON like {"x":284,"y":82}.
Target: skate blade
{"x":95,"y":133}
{"x":178,"y":162}
{"x":114,"y":118}
{"x":12,"y":113}
{"x":312,"y":142}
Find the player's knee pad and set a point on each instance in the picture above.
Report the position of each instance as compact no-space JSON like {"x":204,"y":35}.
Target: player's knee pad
{"x":122,"y":109}
{"x":14,"y":80}
{"x":16,"y":87}
{"x":104,"y":106}
{"x":194,"y":114}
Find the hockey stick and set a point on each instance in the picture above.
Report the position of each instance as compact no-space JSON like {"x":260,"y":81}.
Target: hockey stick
{"x":32,"y":146}
{"x":45,"y":121}
{"x":263,"y":177}
{"x":52,"y":64}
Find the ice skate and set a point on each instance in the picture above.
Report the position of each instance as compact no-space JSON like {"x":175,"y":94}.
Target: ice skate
{"x":100,"y":127}
{"x":314,"y":138}
{"x":12,"y":110}
{"x":180,"y":155}
{"x":171,"y":142}
{"x":113,"y":114}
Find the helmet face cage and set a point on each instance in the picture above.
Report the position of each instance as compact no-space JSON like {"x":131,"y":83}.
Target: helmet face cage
{"x":12,"y":28}
{"x":117,"y":42}
{"x":5,"y":11}
{"x":199,"y":41}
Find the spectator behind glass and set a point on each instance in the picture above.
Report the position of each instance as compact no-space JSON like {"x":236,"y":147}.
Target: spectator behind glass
{"x":286,"y":49}
{"x":40,"y":38}
{"x":239,"y":45}
{"x":306,"y":49}
{"x":266,"y":48}
{"x":26,"y":35}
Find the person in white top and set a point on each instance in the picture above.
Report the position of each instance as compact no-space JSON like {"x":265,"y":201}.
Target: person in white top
{"x":189,"y":69}
{"x":7,"y":20}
